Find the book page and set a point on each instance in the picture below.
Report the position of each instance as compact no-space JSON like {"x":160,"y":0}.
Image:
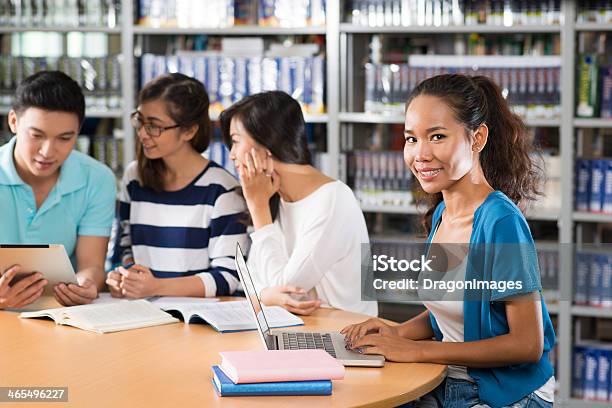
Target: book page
{"x":55,"y":314}
{"x":116,"y":316}
{"x":237,"y":315}
{"x":174,"y":303}
{"x":183,"y":305}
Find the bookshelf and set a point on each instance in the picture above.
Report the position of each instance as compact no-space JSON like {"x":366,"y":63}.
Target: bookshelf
{"x":592,"y":123}
{"x":480,"y":28}
{"x":366,"y":117}
{"x":240,"y":30}
{"x":65,"y":29}
{"x":344,"y":43}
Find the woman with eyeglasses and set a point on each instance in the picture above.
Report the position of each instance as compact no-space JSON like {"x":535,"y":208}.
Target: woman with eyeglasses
{"x":179,"y":212}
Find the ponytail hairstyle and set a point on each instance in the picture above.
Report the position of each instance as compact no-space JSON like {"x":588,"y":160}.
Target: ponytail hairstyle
{"x":275,"y":121}
{"x":186,"y":102}
{"x":505,"y":159}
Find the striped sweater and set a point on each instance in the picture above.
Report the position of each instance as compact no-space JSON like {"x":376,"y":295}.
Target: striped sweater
{"x":192,"y":231}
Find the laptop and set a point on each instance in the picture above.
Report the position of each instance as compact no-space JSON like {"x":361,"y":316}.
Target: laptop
{"x":332,"y":342}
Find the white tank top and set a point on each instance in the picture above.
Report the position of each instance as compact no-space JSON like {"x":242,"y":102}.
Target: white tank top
{"x":449,"y":316}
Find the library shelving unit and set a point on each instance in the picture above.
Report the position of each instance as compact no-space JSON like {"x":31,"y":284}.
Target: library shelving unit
{"x":121,"y":119}
{"x":133,"y":30}
{"x":341,"y":43}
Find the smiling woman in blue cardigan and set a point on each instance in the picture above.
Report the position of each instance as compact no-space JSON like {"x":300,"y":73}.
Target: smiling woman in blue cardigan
{"x":471,"y":154}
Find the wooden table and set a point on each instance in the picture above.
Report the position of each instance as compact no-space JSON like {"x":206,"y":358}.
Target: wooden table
{"x":169,"y":366}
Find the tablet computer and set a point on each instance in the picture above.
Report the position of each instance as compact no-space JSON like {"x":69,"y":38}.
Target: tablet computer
{"x":50,"y":260}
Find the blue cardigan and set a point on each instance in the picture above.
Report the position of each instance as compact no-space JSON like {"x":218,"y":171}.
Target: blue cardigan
{"x":495,"y":256}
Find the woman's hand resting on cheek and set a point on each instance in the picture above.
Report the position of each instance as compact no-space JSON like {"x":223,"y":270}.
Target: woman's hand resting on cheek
{"x":259,"y":183}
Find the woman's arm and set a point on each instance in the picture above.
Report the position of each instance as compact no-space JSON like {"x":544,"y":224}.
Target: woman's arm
{"x":226,"y":229}
{"x":139,"y":282}
{"x":417,"y":328}
{"x":523,"y":343}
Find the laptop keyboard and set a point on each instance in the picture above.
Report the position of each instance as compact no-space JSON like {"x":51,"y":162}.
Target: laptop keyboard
{"x":300,"y":341}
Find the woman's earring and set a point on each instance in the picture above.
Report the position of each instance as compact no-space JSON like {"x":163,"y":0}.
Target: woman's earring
{"x":476,"y":148}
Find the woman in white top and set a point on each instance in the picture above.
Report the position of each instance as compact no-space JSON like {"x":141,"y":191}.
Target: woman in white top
{"x":309,"y":229}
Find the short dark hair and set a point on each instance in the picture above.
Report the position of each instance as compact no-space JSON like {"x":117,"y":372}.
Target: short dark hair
{"x":52,"y":91}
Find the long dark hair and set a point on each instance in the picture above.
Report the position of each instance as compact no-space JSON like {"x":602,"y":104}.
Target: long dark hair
{"x":274,"y":120}
{"x":187,"y":104}
{"x":505,"y":159}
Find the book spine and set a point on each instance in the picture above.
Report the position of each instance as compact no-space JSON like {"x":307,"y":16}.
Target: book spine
{"x":578,"y":372}
{"x":607,"y":205}
{"x":583,"y":266}
{"x":606,"y":281}
{"x":279,"y":388}
{"x":587,"y":86}
{"x":589,"y":388}
{"x":583,"y":184}
{"x":603,"y":375}
{"x":606,"y":92}
{"x":597,"y":185}
{"x":595,"y":281}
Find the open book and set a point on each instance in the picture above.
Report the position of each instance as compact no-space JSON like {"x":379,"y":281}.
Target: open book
{"x":107,"y":317}
{"x":225,"y":316}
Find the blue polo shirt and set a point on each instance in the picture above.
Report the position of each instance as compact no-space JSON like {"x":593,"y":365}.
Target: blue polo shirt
{"x":82,"y":202}
{"x":501,"y":249}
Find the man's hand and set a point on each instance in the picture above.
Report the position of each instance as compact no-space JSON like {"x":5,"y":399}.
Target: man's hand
{"x":23,"y":292}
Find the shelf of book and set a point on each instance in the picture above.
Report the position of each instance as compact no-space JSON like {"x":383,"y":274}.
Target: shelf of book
{"x":537,"y":214}
{"x":580,"y":216}
{"x":543,"y":214}
{"x":592,"y":123}
{"x":390,"y":209}
{"x":60,"y":29}
{"x":308,"y":118}
{"x":450,"y":29}
{"x":593,"y":26}
{"x":235,"y":30}
{"x":111,"y":113}
{"x":578,"y":403}
{"x":590,"y":311}
{"x":367,"y":117}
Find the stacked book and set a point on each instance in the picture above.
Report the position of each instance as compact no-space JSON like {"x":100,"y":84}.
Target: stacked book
{"x":276,"y":372}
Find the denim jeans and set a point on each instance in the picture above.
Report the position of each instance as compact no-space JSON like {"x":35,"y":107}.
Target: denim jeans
{"x":455,"y":393}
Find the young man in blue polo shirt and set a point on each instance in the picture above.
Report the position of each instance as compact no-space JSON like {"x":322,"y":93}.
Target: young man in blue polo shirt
{"x":52,"y":194}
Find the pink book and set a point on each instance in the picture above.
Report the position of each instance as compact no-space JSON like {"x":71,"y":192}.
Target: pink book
{"x":280,"y":366}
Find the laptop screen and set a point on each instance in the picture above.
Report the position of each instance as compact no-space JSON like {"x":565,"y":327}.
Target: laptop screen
{"x":250,"y":292}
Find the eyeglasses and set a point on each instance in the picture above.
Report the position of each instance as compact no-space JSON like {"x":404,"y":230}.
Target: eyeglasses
{"x":150,"y":129}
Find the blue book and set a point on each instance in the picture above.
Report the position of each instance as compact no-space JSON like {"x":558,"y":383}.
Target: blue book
{"x":589,"y":387}
{"x":603,"y":374}
{"x":226,"y":388}
{"x":606,"y":93}
{"x":583,"y":274}
{"x":607,"y":206}
{"x":583,"y":184}
{"x":597,"y":185}
{"x":606,"y":280}
{"x":595,"y":281}
{"x":578,"y":372}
